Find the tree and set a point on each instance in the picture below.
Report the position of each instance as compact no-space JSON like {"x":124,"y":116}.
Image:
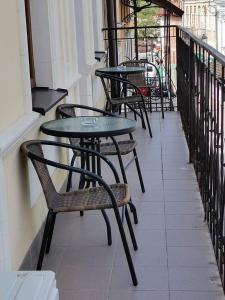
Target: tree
{"x":147,"y":17}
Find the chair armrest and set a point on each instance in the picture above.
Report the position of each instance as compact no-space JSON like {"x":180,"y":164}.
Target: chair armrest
{"x":85,"y":107}
{"x":76,"y":148}
{"x":105,"y":113}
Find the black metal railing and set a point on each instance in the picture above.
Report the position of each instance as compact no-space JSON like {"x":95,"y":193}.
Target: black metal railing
{"x":201,"y":95}
{"x":198,"y":71}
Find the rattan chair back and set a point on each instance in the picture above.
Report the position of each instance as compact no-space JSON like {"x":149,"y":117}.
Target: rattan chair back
{"x":34,"y":151}
{"x":138,"y":78}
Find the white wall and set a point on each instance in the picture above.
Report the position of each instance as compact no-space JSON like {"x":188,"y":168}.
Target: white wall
{"x":58,"y":63}
{"x":88,"y":20}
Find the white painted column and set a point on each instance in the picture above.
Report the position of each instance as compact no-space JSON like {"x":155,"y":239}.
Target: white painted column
{"x":41,"y":43}
{"x":66,"y":63}
{"x":97,"y":8}
{"x":11,"y":136}
{"x":88,"y":31}
{"x":5,"y":264}
{"x":8,"y":140}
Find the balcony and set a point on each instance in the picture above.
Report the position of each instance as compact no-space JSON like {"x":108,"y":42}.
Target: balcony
{"x":175,"y":259}
{"x":181,"y":216}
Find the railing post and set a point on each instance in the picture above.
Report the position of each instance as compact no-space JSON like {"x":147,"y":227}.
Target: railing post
{"x":135,"y":29}
{"x":190,"y":116}
{"x":178,"y":70}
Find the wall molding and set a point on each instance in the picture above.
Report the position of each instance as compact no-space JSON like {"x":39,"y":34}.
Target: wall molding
{"x":10,"y":137}
{"x":5,"y":263}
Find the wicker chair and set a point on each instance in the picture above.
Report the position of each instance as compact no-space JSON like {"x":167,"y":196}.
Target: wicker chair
{"x":151,"y":87}
{"x":135,"y":102}
{"x":101,"y":197}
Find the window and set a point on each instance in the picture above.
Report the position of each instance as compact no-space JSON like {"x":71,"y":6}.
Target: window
{"x":40,"y":59}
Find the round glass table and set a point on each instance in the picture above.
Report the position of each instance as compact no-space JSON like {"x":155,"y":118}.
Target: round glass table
{"x":89,"y":127}
{"x":121,"y":70}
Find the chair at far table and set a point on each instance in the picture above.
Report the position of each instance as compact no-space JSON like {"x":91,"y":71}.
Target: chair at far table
{"x":150,"y":85}
{"x":134,"y":102}
{"x":101,"y":197}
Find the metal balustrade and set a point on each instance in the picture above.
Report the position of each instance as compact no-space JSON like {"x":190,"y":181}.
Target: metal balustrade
{"x":201,"y":95}
{"x":198,"y":73}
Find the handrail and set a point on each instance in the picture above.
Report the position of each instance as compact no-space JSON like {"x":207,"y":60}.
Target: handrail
{"x":214,"y":52}
{"x":201,"y":98}
{"x":138,"y":27}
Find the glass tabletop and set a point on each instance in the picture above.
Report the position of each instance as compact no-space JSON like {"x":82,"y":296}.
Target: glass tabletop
{"x":87,"y":127}
{"x":122,"y":70}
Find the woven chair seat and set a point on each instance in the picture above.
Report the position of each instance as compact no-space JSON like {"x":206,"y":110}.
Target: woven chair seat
{"x":124,"y":146}
{"x":123,"y":100}
{"x":91,"y":199}
{"x":110,"y":149}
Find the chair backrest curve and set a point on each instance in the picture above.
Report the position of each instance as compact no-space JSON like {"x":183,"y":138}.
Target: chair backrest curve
{"x":35,"y":148}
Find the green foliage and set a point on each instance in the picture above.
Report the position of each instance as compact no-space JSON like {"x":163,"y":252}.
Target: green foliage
{"x":147,"y":17}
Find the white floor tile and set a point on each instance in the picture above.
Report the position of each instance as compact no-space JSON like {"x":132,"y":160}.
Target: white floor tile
{"x":191,"y":257}
{"x":175,"y":258}
{"x":192,"y":237}
{"x":182,"y":295}
{"x":194,"y":279}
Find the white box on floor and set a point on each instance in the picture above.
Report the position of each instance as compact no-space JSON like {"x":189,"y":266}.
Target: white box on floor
{"x":28,"y":285}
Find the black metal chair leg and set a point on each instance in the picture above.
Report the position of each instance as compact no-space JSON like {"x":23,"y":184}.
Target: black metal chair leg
{"x":69,"y":180}
{"x":44,"y":239}
{"x":52,"y":225}
{"x":126,"y":248}
{"x":82,"y":179}
{"x":150,"y":102}
{"x":134,"y":242}
{"x":120,"y":159}
{"x":142,"y":117}
{"x":139,"y":171}
{"x":134,"y":211}
{"x":138,"y":166}
{"x":147,"y":119}
{"x":81,"y":182}
{"x":122,"y":214}
{"x":122,"y":168}
{"x":81,"y":186}
{"x":109,"y":233}
{"x":125,"y":111}
{"x":162,"y":106}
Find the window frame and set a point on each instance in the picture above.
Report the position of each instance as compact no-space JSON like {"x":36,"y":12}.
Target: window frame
{"x":30,"y":43}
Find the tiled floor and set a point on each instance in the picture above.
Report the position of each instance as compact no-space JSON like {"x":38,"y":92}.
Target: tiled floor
{"x":175,"y":258}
